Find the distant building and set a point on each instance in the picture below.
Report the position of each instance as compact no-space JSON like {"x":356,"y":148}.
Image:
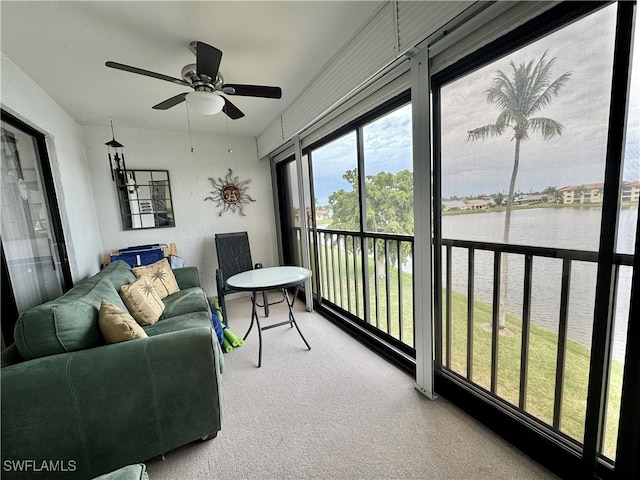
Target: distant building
{"x":323,"y":213}
{"x":587,"y":193}
{"x":479,"y":204}
{"x":631,"y":191}
{"x":529,"y":199}
{"x":453,"y":205}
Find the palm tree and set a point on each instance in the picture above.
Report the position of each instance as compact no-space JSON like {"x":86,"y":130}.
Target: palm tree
{"x":552,"y":193}
{"x":519,"y":97}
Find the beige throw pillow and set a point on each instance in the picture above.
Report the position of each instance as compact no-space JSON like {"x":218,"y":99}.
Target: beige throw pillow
{"x":161,"y":276}
{"x":142,"y":301}
{"x":118,"y":326}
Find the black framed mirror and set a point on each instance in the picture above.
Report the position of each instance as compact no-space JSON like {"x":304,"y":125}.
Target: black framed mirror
{"x":145,"y":199}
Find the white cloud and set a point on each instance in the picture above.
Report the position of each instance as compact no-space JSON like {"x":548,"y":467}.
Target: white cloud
{"x":582,"y":105}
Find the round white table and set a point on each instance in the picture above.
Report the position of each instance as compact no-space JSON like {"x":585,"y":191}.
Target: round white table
{"x":270,"y":278}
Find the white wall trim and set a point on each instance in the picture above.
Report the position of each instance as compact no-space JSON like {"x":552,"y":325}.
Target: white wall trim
{"x":422,"y":250}
{"x":374,"y":49}
{"x":361,"y":102}
{"x":304,"y":228}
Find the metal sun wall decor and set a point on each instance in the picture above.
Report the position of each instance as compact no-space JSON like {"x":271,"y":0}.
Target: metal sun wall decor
{"x":230,"y":194}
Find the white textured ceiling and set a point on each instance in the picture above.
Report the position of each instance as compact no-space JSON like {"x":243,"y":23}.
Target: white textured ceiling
{"x":63,"y":46}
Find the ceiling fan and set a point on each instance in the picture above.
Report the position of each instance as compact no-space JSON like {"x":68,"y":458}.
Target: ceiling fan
{"x":206,"y":81}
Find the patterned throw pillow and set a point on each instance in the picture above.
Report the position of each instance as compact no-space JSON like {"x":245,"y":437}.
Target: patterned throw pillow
{"x":142,"y":301}
{"x":161,"y":276}
{"x":118,"y":326}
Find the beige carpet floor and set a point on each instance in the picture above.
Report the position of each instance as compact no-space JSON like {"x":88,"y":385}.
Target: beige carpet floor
{"x":338,"y":411}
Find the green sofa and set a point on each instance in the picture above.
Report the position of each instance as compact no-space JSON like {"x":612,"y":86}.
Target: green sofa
{"x":73,"y":407}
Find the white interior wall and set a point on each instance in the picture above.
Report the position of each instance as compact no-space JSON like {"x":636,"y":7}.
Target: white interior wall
{"x":197,"y":220}
{"x":24,"y":99}
{"x":87,"y":196}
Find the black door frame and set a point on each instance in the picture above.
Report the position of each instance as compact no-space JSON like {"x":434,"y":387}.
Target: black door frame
{"x":563,"y":459}
{"x":284,"y":209}
{"x":9,"y":308}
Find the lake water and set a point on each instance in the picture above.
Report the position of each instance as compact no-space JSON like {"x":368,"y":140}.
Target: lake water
{"x":571,"y":228}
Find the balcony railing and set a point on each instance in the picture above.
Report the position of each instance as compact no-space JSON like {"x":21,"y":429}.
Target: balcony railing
{"x":368,"y":277}
{"x":568,"y":258}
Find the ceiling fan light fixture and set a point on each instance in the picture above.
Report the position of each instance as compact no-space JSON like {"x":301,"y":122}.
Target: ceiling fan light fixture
{"x":206,"y":103}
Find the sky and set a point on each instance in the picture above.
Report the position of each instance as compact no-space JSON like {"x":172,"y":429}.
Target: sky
{"x":585,"y":49}
{"x":387,"y":147}
{"x":484,"y":167}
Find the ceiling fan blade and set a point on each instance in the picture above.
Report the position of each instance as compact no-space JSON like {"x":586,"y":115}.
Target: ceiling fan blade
{"x":207,"y":60}
{"x":231,"y":110}
{"x":254,"y":90}
{"x":171,"y":102}
{"x":140,"y":71}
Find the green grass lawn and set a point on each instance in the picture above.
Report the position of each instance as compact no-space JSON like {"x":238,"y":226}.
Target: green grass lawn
{"x":541,"y":371}
{"x":339,"y":287}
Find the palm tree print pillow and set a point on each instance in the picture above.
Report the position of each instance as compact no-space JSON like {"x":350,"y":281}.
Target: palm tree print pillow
{"x":142,"y":301}
{"x":161,"y":277}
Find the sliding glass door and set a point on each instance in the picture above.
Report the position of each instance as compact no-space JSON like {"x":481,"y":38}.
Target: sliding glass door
{"x":359,"y":213}
{"x":530,"y":184}
{"x":362,"y":181}
{"x":34,"y":264}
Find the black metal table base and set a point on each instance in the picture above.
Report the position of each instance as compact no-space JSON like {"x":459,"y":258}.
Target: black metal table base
{"x":291,"y":322}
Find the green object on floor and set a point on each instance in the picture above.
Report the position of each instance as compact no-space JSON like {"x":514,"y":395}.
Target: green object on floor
{"x":232,"y":338}
{"x":130,"y":472}
{"x":226,"y":346}
{"x":216,"y":308}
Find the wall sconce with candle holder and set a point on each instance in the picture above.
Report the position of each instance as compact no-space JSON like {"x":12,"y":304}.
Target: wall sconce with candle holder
{"x":116,"y":157}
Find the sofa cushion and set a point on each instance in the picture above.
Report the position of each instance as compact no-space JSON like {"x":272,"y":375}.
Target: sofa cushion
{"x":10,"y":356}
{"x":118,"y":273}
{"x":142,"y":301}
{"x":188,"y":300}
{"x":118,"y":325}
{"x":186,"y":277}
{"x":130,"y":472}
{"x":68,"y":323}
{"x":161,"y":276}
{"x":183,"y":322}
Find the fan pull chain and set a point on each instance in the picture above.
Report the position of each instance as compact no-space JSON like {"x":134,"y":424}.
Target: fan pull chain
{"x":189,"y":124}
{"x":226,"y":120}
